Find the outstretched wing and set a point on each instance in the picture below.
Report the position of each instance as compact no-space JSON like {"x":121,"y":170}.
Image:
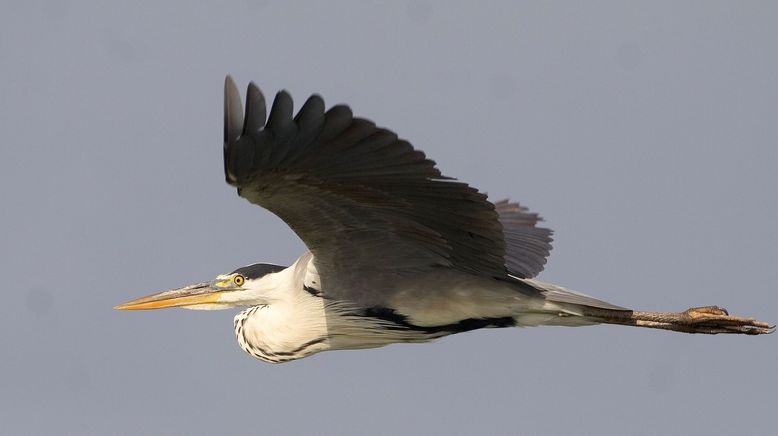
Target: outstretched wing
{"x":367,"y":205}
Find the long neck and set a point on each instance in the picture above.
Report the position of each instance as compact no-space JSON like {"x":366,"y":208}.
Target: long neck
{"x":290,"y":326}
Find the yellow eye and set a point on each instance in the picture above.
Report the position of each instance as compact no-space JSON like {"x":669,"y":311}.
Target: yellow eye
{"x":239,"y":280}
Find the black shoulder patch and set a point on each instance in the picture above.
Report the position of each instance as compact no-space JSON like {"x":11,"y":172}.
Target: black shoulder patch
{"x":258,"y":270}
{"x":464,"y":325}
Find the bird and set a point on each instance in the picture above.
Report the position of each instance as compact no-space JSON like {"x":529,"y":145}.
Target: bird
{"x":396,"y":251}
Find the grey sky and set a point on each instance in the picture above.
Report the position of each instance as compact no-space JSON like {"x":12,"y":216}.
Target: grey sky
{"x":645,"y":134}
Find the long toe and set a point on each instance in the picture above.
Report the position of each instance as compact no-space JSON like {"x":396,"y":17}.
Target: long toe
{"x":714,"y":319}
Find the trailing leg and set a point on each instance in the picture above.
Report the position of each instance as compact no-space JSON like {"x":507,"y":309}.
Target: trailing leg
{"x":708,"y":320}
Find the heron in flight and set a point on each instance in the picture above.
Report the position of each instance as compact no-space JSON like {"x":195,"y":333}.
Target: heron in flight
{"x":397,"y":252}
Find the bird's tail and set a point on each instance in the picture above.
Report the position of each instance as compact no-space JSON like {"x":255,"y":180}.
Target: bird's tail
{"x":575,"y":308}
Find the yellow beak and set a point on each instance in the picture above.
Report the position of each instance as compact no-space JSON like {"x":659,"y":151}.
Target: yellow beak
{"x":201,"y":293}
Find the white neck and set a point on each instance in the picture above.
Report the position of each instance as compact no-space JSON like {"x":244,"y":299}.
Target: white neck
{"x":290,"y":325}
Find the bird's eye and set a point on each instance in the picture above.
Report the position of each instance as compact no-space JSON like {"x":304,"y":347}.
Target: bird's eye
{"x":239,"y":280}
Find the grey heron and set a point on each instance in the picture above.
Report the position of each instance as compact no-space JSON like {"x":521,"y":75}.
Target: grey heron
{"x":397,"y":252}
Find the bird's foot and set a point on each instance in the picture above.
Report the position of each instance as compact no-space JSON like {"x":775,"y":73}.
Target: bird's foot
{"x":714,"y":319}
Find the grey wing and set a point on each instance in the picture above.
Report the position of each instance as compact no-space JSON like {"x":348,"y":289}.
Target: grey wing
{"x":526,"y":246}
{"x":559,"y":294}
{"x":366,"y":204}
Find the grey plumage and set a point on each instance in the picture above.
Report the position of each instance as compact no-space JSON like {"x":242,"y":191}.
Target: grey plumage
{"x":398,"y":252}
{"x":526,"y":246}
{"x":359,"y":196}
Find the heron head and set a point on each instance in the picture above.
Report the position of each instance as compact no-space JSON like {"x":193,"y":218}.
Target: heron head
{"x":246,"y":286}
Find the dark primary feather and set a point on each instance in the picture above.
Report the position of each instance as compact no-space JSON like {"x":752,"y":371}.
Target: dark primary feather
{"x":367,"y":204}
{"x":255,"y":110}
{"x":233,"y":117}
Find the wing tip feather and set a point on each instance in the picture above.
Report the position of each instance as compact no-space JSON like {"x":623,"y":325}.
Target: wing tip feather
{"x":256,"y":112}
{"x":233,"y":110}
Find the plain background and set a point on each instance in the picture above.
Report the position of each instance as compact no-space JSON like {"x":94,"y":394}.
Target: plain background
{"x":645,"y":134}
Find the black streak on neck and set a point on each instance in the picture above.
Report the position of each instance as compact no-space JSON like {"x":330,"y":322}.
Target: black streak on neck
{"x":313,"y":291}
